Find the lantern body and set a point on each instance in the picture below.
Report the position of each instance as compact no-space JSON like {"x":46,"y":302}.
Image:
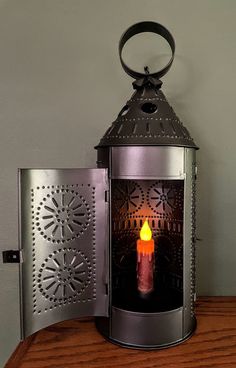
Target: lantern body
{"x":168,"y":316}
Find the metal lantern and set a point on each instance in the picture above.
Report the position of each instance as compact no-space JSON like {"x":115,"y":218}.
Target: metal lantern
{"x":116,"y":242}
{"x":151,"y":164}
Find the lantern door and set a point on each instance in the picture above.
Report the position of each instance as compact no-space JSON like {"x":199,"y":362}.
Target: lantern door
{"x":64,"y":242}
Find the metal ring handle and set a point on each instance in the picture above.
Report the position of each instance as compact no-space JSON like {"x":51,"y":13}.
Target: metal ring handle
{"x":146,"y":27}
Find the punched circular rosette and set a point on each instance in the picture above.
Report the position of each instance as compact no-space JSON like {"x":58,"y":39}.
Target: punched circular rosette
{"x":64,"y":275}
{"x":128,"y":197}
{"x":165,"y":251}
{"x":124,"y":250}
{"x":63,"y":215}
{"x":162,"y":198}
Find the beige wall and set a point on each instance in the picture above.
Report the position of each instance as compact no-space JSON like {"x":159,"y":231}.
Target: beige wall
{"x":61,"y":84}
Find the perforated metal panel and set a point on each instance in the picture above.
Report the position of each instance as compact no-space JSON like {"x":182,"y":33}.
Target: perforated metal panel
{"x":64,"y":237}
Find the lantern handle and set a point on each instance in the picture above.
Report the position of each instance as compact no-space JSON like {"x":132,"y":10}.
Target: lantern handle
{"x":141,"y":27}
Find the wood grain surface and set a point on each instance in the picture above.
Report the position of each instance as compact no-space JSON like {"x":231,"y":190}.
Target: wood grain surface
{"x":76,"y":343}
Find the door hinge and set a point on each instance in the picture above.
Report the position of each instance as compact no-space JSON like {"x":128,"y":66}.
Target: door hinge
{"x":12,"y":256}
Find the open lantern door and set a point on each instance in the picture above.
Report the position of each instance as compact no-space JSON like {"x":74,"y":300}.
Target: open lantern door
{"x":64,"y":242}
{"x":60,"y":269}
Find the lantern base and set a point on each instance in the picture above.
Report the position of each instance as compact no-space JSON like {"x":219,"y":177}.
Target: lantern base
{"x":146,"y":347}
{"x":144,"y":331}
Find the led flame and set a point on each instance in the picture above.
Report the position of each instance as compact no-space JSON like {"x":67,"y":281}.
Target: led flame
{"x":145,"y":233}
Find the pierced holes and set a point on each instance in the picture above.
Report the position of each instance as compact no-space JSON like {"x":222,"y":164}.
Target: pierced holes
{"x":120,"y":128}
{"x":47,"y":278}
{"x":72,"y":286}
{"x":134,"y":128}
{"x":73,"y":260}
{"x":80,"y":272}
{"x":63,"y":231}
{"x":64,"y":291}
{"x":162,"y":127}
{"x":78,"y":265}
{"x":56,"y":262}
{"x":63,"y":199}
{"x":56,"y":290}
{"x":147,"y":127}
{"x":50,"y":269}
{"x":47,"y":217}
{"x":79,"y":214}
{"x":109,"y":130}
{"x":70,"y":228}
{"x":149,"y":107}
{"x":54,"y":202}
{"x":51,"y":285}
{"x":124,"y":111}
{"x":71,"y":201}
{"x":76,"y":207}
{"x":78,"y":280}
{"x":78,"y":223}
{"x":54,"y":230}
{"x":49,"y":225}
{"x":173,"y":127}
{"x":49,"y":209}
{"x":184,"y":131}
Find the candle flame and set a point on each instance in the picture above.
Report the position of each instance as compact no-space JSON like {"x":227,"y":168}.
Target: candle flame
{"x":146,"y":232}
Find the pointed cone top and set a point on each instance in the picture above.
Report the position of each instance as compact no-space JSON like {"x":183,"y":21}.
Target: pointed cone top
{"x":147,"y":119}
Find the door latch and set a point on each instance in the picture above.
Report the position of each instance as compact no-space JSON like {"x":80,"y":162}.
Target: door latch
{"x":11,"y":256}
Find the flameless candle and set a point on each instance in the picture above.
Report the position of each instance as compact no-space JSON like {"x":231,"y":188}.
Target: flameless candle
{"x":145,"y":259}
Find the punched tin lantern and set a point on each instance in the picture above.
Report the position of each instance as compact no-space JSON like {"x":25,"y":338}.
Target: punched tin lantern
{"x":79,"y":228}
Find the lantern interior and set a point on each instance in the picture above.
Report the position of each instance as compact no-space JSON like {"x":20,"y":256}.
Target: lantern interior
{"x":161,"y":201}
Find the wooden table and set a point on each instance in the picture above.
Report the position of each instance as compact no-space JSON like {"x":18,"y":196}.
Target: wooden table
{"x":76,"y":343}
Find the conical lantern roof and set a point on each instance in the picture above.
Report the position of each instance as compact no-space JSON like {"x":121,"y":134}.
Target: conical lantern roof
{"x":147,"y":119}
